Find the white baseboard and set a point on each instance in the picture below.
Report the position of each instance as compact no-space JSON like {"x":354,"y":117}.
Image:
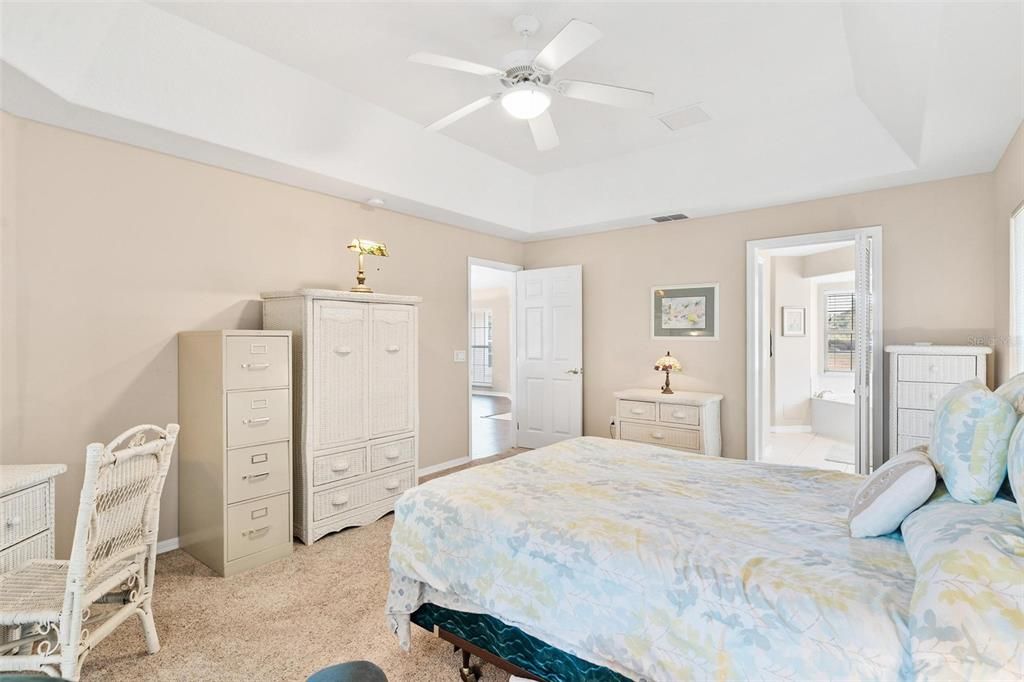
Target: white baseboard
{"x":168,"y":545}
{"x":494,"y":394}
{"x":801,"y":428}
{"x":443,"y":466}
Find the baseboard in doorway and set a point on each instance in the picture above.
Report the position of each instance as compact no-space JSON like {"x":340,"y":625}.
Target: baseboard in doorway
{"x":443,"y":466}
{"x":493,"y":394}
{"x":168,"y":545}
{"x":800,"y":428}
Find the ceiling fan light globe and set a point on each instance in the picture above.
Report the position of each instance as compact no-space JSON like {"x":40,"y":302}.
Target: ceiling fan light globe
{"x":525,"y":103}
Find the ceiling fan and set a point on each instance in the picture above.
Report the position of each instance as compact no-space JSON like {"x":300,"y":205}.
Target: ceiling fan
{"x":526,"y":77}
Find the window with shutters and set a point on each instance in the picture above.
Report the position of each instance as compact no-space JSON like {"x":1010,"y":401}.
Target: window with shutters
{"x":1017,"y":292}
{"x":481,"y":352}
{"x":838,"y":319}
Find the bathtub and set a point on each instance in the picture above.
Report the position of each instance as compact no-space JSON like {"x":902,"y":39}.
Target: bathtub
{"x":834,"y":416}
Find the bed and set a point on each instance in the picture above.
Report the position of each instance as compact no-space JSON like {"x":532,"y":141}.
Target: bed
{"x":650,"y":564}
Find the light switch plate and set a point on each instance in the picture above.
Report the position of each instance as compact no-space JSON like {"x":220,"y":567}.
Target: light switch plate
{"x":460,"y":356}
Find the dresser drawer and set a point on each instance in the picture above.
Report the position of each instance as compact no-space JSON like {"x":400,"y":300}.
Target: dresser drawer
{"x":905,"y":443}
{"x":670,"y":436}
{"x":257,"y":471}
{"x":35,"y":547}
{"x":920,"y":396}
{"x":947,"y":369}
{"x":914,"y":423}
{"x":637,"y":409}
{"x":345,"y":498}
{"x":342,"y":465}
{"x":679,"y":414}
{"x":24,"y":514}
{"x":384,"y":455}
{"x":258,"y":417}
{"x":256,"y":526}
{"x":255,"y":362}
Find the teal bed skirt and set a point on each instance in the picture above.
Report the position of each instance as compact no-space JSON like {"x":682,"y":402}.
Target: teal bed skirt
{"x":513,"y":645}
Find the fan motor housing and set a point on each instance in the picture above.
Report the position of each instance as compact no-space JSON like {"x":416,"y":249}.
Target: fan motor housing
{"x":519,"y":69}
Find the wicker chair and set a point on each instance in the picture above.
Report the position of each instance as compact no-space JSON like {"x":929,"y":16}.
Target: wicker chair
{"x":62,"y":609}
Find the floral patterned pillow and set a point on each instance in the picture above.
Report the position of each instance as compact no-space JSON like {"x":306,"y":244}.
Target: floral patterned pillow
{"x":1015,"y":466}
{"x":1013,"y":391}
{"x":969,"y":441}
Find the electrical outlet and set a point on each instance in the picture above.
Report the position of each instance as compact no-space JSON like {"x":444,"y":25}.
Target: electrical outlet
{"x":460,"y":356}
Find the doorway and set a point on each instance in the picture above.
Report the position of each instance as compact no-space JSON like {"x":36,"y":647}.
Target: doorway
{"x":491,"y":357}
{"x":814,"y":388}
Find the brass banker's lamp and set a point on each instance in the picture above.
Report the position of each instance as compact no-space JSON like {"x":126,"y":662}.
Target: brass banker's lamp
{"x":365,"y":247}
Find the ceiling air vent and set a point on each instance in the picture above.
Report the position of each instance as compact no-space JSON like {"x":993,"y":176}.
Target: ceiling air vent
{"x":669,"y":218}
{"x":682,"y":118}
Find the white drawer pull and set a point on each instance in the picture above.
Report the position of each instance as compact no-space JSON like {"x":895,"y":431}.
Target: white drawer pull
{"x":343,"y":350}
{"x":255,"y":365}
{"x":255,"y":531}
{"x":14,"y":521}
{"x":658,"y":435}
{"x":392,"y":484}
{"x":933,"y":368}
{"x":637,"y":410}
{"x":256,"y":420}
{"x":392,"y":349}
{"x":253,"y":477}
{"x":341,"y":466}
{"x":678,"y":415}
{"x":392,"y":455}
{"x":339,"y":500}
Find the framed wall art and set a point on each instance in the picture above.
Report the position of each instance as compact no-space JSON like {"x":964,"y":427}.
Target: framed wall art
{"x":685,"y":312}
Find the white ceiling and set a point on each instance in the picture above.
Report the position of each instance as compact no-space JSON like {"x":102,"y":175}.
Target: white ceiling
{"x":806,"y":100}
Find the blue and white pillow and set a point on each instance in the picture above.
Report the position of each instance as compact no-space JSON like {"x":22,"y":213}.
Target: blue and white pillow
{"x":888,"y":495}
{"x":1015,"y":465}
{"x":969,"y":441}
{"x":1013,"y":392}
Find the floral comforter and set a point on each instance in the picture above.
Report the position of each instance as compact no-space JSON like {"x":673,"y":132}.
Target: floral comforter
{"x":660,"y":565}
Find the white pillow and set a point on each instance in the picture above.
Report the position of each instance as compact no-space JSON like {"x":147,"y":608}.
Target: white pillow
{"x":895,"y":489}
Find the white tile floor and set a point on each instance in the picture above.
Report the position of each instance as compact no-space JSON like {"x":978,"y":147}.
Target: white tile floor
{"x":809,"y":450}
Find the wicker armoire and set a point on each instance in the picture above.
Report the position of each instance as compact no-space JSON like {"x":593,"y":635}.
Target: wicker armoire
{"x":356,"y":416}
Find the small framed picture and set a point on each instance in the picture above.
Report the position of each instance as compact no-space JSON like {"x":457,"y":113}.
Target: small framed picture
{"x":685,"y":312}
{"x":794,"y":321}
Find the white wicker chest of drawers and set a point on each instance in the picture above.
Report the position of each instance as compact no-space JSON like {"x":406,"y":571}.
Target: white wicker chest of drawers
{"x":684,"y":420}
{"x":235,"y":461}
{"x":26,"y":516}
{"x":919,"y":377}
{"x":356,"y":412}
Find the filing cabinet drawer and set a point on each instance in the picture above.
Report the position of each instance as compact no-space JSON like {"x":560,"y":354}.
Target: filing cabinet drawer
{"x":258,"y":417}
{"x":258,"y":525}
{"x":337,"y":467}
{"x":669,"y":436}
{"x":384,"y":455}
{"x":255,"y":362}
{"x":947,"y":369}
{"x":679,"y":414}
{"x":257,"y":471}
{"x":637,"y":409}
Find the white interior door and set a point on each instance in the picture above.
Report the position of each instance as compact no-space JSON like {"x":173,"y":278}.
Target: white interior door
{"x":549,"y":355}
{"x":867,"y":321}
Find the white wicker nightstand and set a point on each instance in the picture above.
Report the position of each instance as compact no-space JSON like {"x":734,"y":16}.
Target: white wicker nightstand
{"x":684,"y":420}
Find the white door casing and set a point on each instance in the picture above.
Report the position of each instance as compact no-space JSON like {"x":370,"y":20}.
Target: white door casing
{"x":549,"y":355}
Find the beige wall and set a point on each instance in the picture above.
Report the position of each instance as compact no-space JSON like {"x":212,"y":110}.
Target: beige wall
{"x":791,"y":364}
{"x":939,"y":248}
{"x":108,"y":250}
{"x":1009,"y":194}
{"x":498,"y":300}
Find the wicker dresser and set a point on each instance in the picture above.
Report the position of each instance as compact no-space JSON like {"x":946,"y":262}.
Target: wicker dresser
{"x":919,"y":376}
{"x":234,"y":470}
{"x":356,"y":413}
{"x":684,"y":420}
{"x":26,"y":515}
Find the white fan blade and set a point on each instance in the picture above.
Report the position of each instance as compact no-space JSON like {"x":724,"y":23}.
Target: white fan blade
{"x":461,"y":113}
{"x":570,"y":41}
{"x":452,"y":63}
{"x":544,"y":134}
{"x":606,"y":94}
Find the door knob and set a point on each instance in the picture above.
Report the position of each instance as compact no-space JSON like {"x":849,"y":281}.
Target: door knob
{"x":574,"y":370}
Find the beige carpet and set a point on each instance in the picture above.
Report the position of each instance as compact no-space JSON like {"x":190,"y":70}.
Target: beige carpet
{"x":322,"y":605}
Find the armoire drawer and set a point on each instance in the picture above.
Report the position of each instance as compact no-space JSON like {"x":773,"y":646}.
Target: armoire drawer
{"x":669,"y":436}
{"x":339,"y":466}
{"x":637,"y":409}
{"x":24,"y":514}
{"x":945,"y":369}
{"x":255,"y":362}
{"x":384,"y":455}
{"x":258,"y":417}
{"x":679,"y":414}
{"x":258,"y":470}
{"x":920,"y":396}
{"x":258,"y":525}
{"x":344,"y":498}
